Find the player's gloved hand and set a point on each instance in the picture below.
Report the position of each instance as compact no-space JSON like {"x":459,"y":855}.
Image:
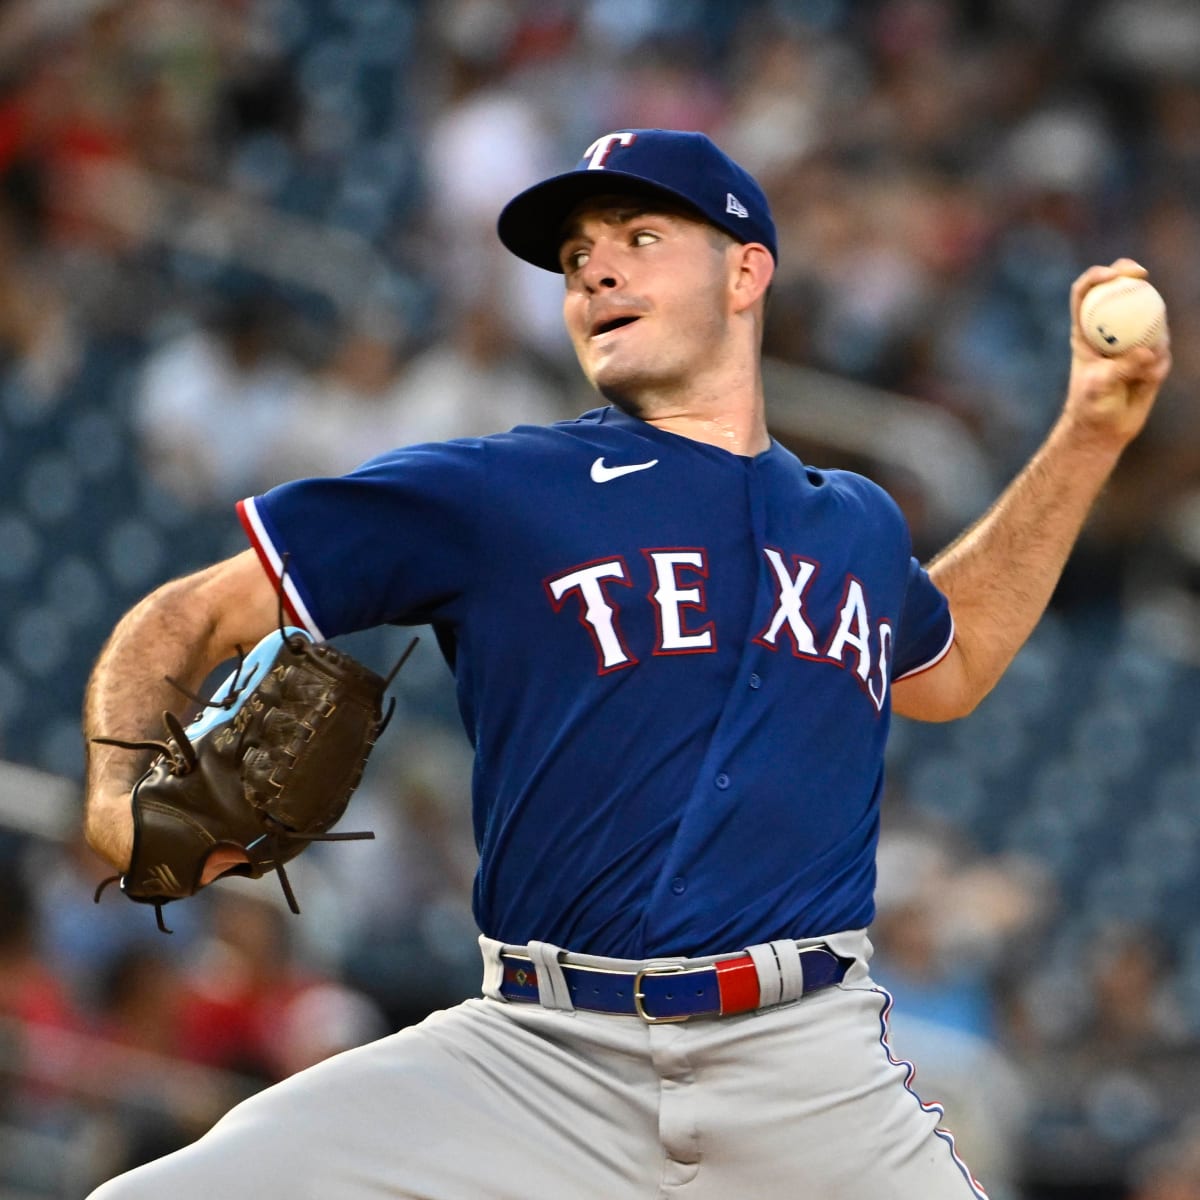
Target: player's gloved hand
{"x":266,"y":769}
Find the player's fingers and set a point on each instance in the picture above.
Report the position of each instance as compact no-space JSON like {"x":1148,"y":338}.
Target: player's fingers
{"x":221,"y":859}
{"x":1128,"y":266}
{"x":1159,"y":366}
{"x":1100,"y":274}
{"x":1136,"y":362}
{"x":1143,"y":370}
{"x":1084,"y":283}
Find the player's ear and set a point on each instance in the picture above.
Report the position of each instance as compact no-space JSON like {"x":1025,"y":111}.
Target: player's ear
{"x":752,"y":268}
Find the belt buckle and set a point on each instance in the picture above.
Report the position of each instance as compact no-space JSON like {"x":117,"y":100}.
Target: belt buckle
{"x":639,"y":995}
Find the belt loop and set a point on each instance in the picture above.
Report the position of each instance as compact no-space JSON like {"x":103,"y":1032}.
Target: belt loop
{"x":780,"y":971}
{"x":552,"y":983}
{"x":791,"y":969}
{"x":770,"y":981}
{"x":493,"y":967}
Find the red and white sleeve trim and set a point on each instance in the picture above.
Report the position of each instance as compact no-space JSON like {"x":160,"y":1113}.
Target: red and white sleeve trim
{"x":933,"y":662}
{"x":272,"y":562}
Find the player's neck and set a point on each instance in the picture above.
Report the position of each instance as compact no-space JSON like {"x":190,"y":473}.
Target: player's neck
{"x":728,"y":432}
{"x":735,"y":420}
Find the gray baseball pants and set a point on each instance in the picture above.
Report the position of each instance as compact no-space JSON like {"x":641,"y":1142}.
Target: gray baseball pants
{"x":506,"y":1101}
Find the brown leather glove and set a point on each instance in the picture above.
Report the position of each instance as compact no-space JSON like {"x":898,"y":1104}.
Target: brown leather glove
{"x":267,"y":768}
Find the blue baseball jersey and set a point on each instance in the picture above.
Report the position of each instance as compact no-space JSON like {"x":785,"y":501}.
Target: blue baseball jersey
{"x":674,"y":664}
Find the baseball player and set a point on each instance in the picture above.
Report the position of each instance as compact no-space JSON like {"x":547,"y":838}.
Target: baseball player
{"x":677,"y":649}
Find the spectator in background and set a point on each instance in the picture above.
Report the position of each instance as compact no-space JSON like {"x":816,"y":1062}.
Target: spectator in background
{"x":1114,"y":1068}
{"x":137,"y":1018}
{"x":323,"y":1020}
{"x":35,"y":1011}
{"x":1170,"y":1170}
{"x":409,"y":889}
{"x":140,"y":1000}
{"x":212,"y":403}
{"x":944,"y":919}
{"x":1134,"y":1010}
{"x":504,"y":134}
{"x":344,"y":414}
{"x":247,"y":993}
{"x":80,"y":940}
{"x":30,"y":991}
{"x":475,"y":379}
{"x":40,"y":346}
{"x":53,"y":128}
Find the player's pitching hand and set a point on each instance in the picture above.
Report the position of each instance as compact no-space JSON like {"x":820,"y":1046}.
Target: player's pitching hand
{"x":1109,"y":398}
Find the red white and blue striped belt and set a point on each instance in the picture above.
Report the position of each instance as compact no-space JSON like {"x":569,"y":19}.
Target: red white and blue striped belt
{"x":664,"y":992}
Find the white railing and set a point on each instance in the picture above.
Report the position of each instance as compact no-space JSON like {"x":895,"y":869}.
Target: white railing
{"x":38,"y":804}
{"x":928,"y":448}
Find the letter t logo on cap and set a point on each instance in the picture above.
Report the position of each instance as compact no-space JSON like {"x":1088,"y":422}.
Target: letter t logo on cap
{"x":597,"y":153}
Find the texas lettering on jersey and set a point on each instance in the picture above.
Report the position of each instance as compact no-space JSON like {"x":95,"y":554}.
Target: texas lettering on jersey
{"x":844,"y":638}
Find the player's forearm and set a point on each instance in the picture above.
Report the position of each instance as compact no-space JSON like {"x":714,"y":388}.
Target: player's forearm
{"x":125,"y":699}
{"x":182,"y":630}
{"x":1000,"y":574}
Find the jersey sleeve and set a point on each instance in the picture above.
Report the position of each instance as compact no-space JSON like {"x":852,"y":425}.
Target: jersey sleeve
{"x":392,"y":541}
{"x":926,"y":630}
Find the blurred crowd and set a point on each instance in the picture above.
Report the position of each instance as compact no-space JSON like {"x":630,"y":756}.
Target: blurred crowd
{"x":246,"y":240}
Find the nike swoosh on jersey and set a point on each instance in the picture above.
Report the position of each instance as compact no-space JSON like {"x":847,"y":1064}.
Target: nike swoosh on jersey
{"x":603,"y":474}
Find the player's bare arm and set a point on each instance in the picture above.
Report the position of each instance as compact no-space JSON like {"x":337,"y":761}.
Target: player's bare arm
{"x":183,"y":629}
{"x":999,"y":575}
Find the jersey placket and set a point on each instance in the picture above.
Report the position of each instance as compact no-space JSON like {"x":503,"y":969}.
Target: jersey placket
{"x":715,"y":786}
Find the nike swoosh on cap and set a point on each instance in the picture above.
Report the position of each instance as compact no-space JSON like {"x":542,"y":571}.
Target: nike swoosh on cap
{"x":603,"y":474}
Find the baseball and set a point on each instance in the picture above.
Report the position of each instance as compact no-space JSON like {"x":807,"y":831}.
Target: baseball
{"x":1122,"y":313}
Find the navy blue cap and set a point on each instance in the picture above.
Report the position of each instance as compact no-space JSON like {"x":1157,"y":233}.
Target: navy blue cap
{"x":682,"y":166}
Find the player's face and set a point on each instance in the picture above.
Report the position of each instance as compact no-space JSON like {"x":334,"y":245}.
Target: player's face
{"x":647,"y":299}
